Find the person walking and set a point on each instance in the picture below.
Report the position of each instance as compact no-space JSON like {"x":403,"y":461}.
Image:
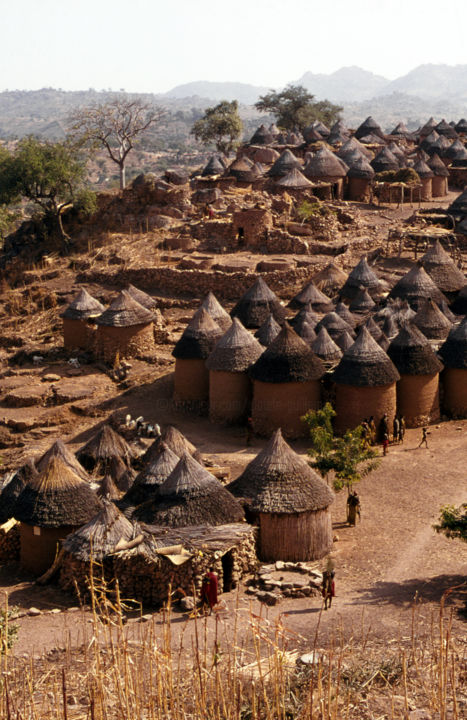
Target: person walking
{"x":424,"y":440}
{"x":385,"y":443}
{"x":209,"y":590}
{"x":328,"y":589}
{"x":384,"y":426}
{"x":401,"y":428}
{"x":353,"y":508}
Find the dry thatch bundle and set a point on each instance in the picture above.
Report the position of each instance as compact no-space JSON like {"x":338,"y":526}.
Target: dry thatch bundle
{"x":335,"y":325}
{"x":59,"y":449}
{"x":361,"y":276}
{"x":442,"y":269}
{"x":154,"y":474}
{"x":431,"y":321}
{"x":190,"y":496}
{"x":362,"y":302}
{"x":212,"y":306}
{"x":330,"y":279}
{"x":102,"y":447}
{"x":295,"y":180}
{"x":365,"y":364}
{"x":415,"y":286}
{"x":101,"y":535}
{"x":411,"y":353}
{"x":453,"y":351}
{"x":56,"y":497}
{"x":287,"y":359}
{"x":107,"y":489}
{"x":310,"y":295}
{"x":125,"y":311}
{"x":255,"y":306}
{"x":280,"y":481}
{"x":199,"y":337}
{"x":324,"y":164}
{"x":284,"y":164}
{"x":83,"y":306}
{"x":236,"y":351}
{"x":175,"y":441}
{"x":269,"y":330}
{"x":325,"y":347}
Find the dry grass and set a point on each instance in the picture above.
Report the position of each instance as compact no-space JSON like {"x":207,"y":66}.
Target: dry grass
{"x":197,"y":670}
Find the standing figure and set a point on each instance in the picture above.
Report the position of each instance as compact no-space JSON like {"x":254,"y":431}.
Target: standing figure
{"x":328,"y":590}
{"x":384,"y":426}
{"x":372,"y":426}
{"x":353,"y":508}
{"x":385,"y":443}
{"x":209,"y":590}
{"x":395,"y":429}
{"x":424,"y":440}
{"x":401,"y":428}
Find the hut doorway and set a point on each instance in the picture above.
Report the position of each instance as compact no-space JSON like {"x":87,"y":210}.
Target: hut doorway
{"x":227,"y":572}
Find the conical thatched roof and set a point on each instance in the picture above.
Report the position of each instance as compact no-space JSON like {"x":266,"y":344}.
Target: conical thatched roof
{"x":385,"y":160}
{"x":330,"y":279}
{"x":325,"y":347}
{"x":154,"y":474}
{"x":368,"y":127}
{"x":416,"y":285}
{"x":344,"y":341}
{"x":56,"y":497}
{"x":107,"y":489}
{"x":323,"y":129}
{"x":442,"y":269}
{"x":12,"y":487}
{"x":461,"y":126}
{"x":343,"y":311}
{"x":325,"y":164}
{"x":459,"y":205}
{"x":256,"y":304}
{"x":374,"y":329}
{"x":438,"y":167}
{"x":125,"y":311}
{"x":311,"y":135}
{"x":432,"y":321}
{"x":411,"y":353}
{"x":212,"y":306}
{"x":83,"y":306}
{"x":335,"y":325}
{"x":284,"y":164}
{"x":359,"y":167}
{"x":361,"y":276}
{"x":101,"y":535}
{"x":143,"y":298}
{"x":390,"y":326}
{"x":236,"y":351}
{"x":190,"y":496}
{"x":268,"y":331}
{"x":262,"y":136}
{"x":350,"y":146}
{"x":429,"y":139}
{"x":102,"y":447}
{"x":453,"y":351}
{"x":287,"y":359}
{"x":121,"y":473}
{"x":213,"y":167}
{"x":175,"y":441}
{"x":199,"y":336}
{"x":295,"y":180}
{"x":310,"y":295}
{"x":443,"y":128}
{"x":400,"y":129}
{"x":59,"y":449}
{"x":280,"y":481}
{"x":305,"y":317}
{"x":362,"y":302}
{"x":365,"y":364}
{"x":422,"y":169}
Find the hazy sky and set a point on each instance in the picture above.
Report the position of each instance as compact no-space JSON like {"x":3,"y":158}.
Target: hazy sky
{"x":153,"y":45}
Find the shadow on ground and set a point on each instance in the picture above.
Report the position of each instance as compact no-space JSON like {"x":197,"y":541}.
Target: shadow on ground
{"x":454,"y":587}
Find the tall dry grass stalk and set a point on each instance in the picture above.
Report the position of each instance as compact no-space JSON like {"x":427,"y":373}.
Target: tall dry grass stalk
{"x":240,"y":666}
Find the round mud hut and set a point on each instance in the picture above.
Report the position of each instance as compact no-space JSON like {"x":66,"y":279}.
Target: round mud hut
{"x":359,"y":178}
{"x":325,"y":166}
{"x":310,"y":295}
{"x":79,"y":328}
{"x":325,"y":348}
{"x":124,"y":330}
{"x":453,"y":353}
{"x":362,"y":276}
{"x":432,"y":322}
{"x":190,"y":496}
{"x":419,"y":368}
{"x":230,"y":388}
{"x":365,"y":384}
{"x":439,"y":183}
{"x":255,"y":306}
{"x":148,"y":480}
{"x":50,"y":506}
{"x":335,"y":325}
{"x":60,"y":450}
{"x":330,"y":279}
{"x":290,"y":502}
{"x":443,"y":270}
{"x":191,"y":381}
{"x":103,"y":447}
{"x":415,"y":287}
{"x":176,"y":441}
{"x":286,"y":384}
{"x":212,"y":306}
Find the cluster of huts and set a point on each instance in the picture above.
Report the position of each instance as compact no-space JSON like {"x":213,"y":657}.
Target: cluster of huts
{"x":338,"y":162}
{"x":129,"y":327}
{"x":91,"y":513}
{"x":369,"y":348}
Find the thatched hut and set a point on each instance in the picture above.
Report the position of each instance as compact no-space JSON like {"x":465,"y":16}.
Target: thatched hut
{"x":191,"y":381}
{"x":426,"y":174}
{"x":255,"y":306}
{"x":176,"y":441}
{"x":12,"y":485}
{"x":214,"y":166}
{"x":415,"y":287}
{"x":121,"y":473}
{"x":269,"y":330}
{"x":343,"y":311}
{"x":262,"y":136}
{"x":359,"y":178}
{"x":229,"y":383}
{"x":107,"y":489}
{"x":212,"y":306}
{"x":400,"y":130}
{"x":102,"y":448}
{"x":304,"y":323}
{"x":325,"y":166}
{"x":285,"y":385}
{"x":335,"y":325}
{"x":60,"y":450}
{"x":361,"y":276}
{"x":419,"y":368}
{"x":50,"y":506}
{"x":148,"y":480}
{"x":78,"y":321}
{"x":351,"y":146}
{"x":362,"y":303}
{"x":369,"y":127}
{"x":325,"y":348}
{"x":443,"y":270}
{"x":190,"y":496}
{"x":330,"y":279}
{"x":384,"y":161}
{"x":453,"y":353}
{"x":344,"y":341}
{"x":284,"y":164}
{"x":365,"y":384}
{"x":439,"y":183}
{"x":432,"y":322}
{"x":125,"y":329}
{"x":310,"y":295}
{"x":290,"y":501}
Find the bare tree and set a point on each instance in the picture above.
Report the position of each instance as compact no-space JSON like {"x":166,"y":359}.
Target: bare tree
{"x":115,"y":126}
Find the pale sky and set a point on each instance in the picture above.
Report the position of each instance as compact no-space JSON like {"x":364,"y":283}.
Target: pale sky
{"x":154,"y":45}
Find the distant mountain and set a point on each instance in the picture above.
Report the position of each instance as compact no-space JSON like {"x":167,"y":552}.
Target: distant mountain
{"x":244,"y":93}
{"x":431,"y":81}
{"x":349,"y":84}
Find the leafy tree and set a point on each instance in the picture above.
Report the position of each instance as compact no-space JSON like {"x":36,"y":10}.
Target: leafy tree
{"x":51,"y":175}
{"x":349,"y":457}
{"x":116,"y":126}
{"x":453,"y":522}
{"x":295,"y":107}
{"x":220,"y":125}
